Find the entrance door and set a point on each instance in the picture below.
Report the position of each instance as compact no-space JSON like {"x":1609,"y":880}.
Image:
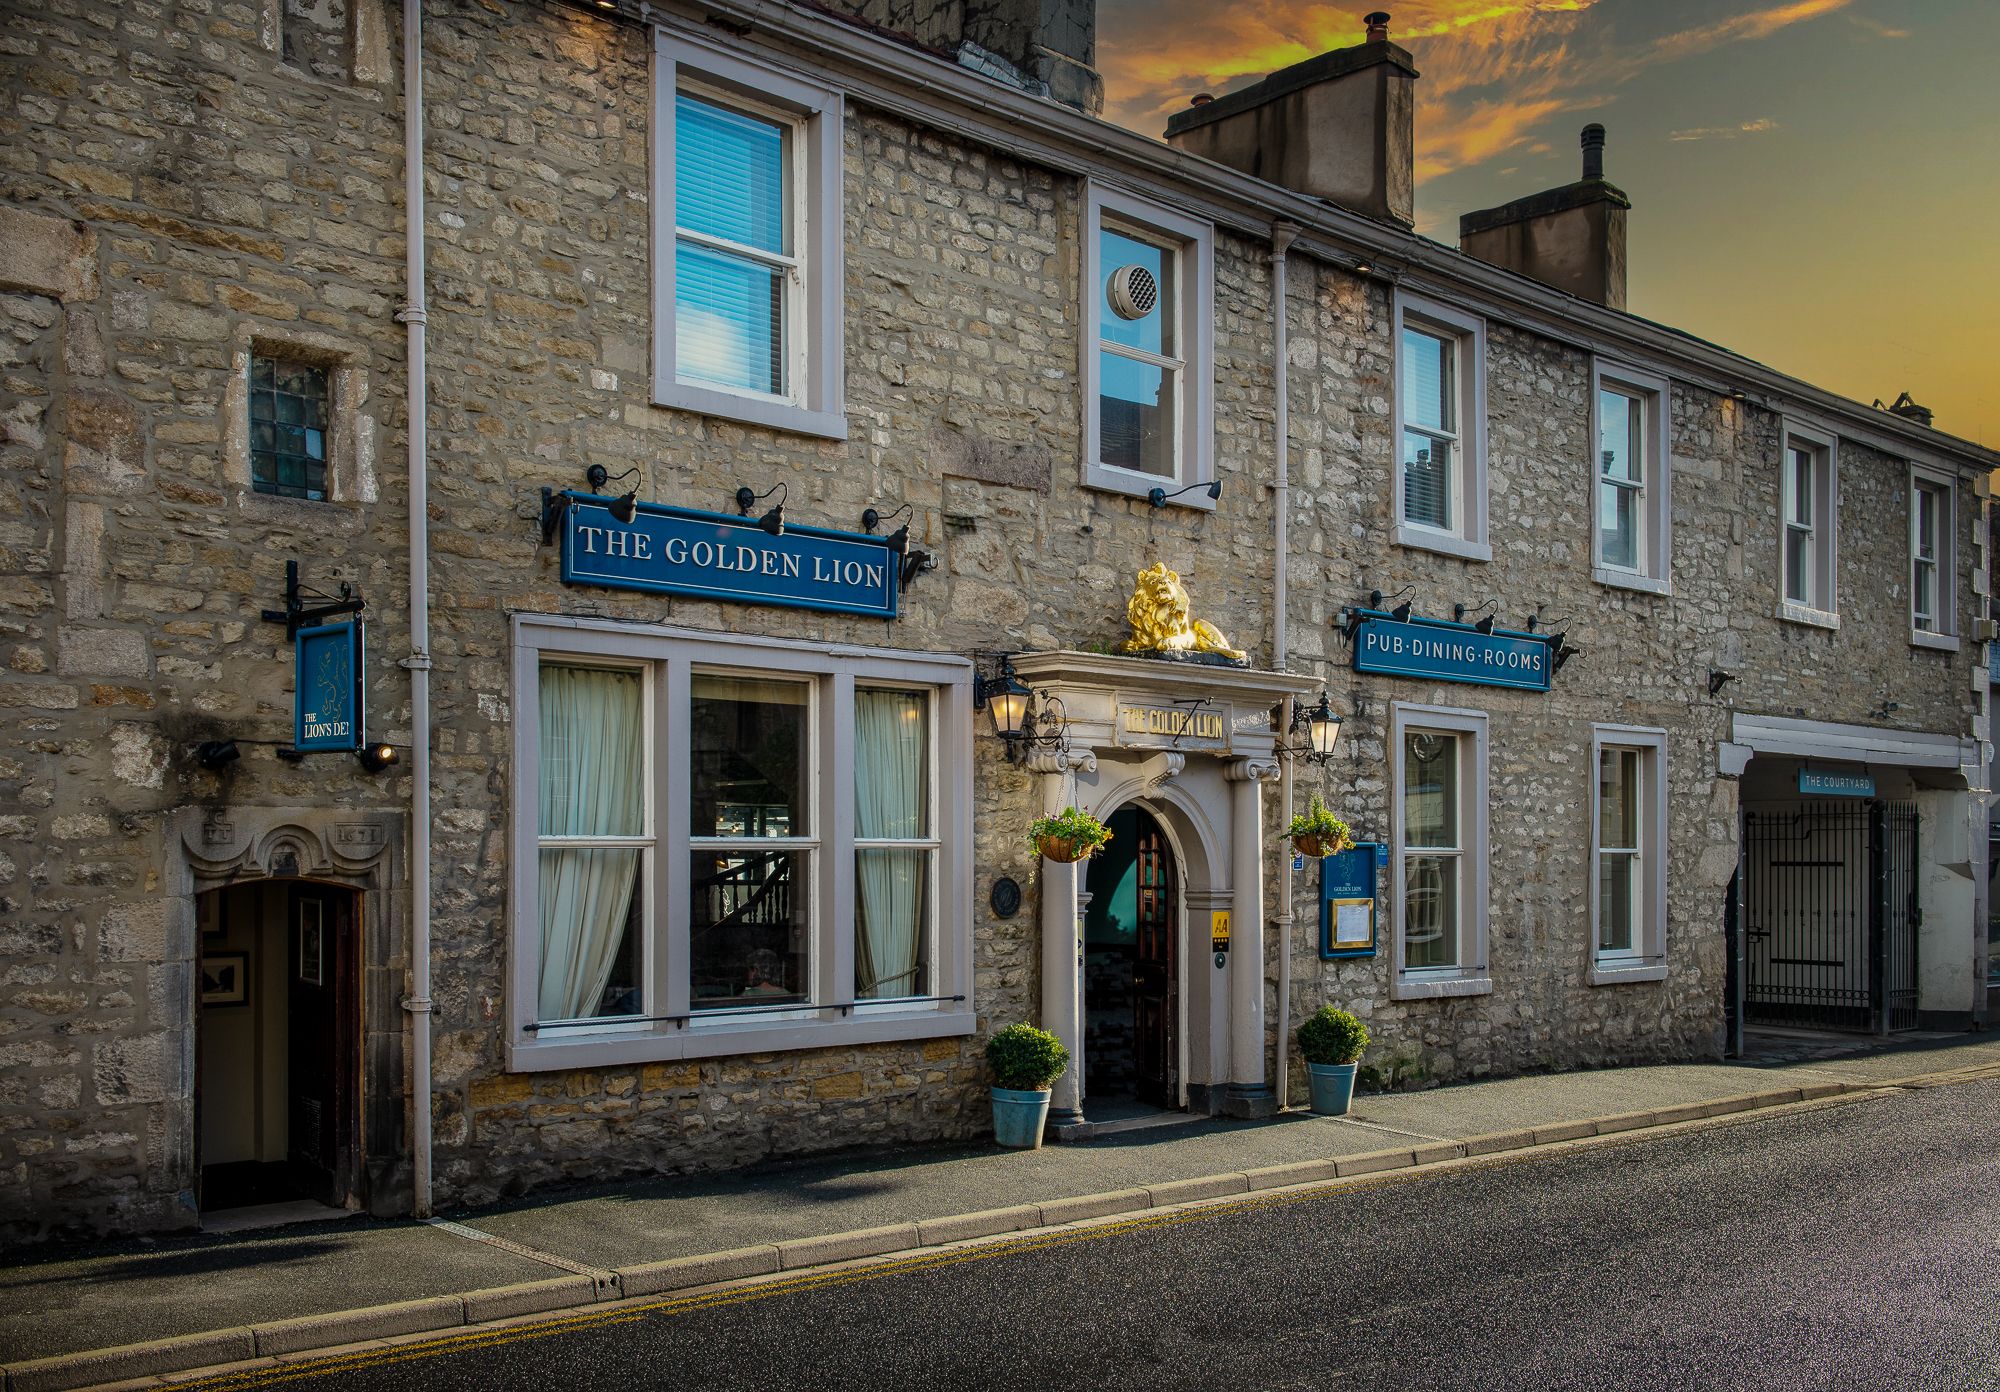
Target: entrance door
{"x":321,"y":1003}
{"x":279,"y":1045}
{"x":1156,"y":970}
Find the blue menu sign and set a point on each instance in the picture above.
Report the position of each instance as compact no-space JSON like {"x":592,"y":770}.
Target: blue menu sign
{"x":713,"y":555}
{"x":1347,"y":920}
{"x":327,"y":711}
{"x":1436,"y":651}
{"x":1818,"y":783}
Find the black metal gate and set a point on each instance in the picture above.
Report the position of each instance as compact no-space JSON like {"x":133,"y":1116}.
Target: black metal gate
{"x":1830,"y":916}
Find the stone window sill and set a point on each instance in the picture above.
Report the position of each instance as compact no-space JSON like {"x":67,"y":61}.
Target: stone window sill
{"x":1603,"y":973}
{"x":610,"y":1047}
{"x":1444,"y":543}
{"x":1105,"y":479}
{"x":1631,"y":580}
{"x":773,"y":415}
{"x":1806,"y":614}
{"x":1404,"y":986}
{"x":1943,"y":642}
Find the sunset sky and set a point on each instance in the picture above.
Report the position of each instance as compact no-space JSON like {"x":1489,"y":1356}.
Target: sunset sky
{"x":1815,"y":184}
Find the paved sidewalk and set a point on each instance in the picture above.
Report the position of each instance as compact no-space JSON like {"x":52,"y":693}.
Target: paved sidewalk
{"x":147,"y":1290}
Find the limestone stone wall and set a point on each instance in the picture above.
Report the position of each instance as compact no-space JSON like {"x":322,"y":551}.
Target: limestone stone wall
{"x":172,"y":192}
{"x":178,"y":191}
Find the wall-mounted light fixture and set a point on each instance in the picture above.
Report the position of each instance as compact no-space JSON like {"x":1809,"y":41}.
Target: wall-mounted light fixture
{"x":1159,"y":496}
{"x":1401,"y":613}
{"x":1011,"y":706}
{"x":772,"y":521}
{"x":1485,"y":625}
{"x":376,"y":757}
{"x":1717,"y":679}
{"x":1884,"y":710}
{"x":899,"y":540}
{"x":216,"y":754}
{"x":622,"y":509}
{"x":1321,"y":727}
{"x":1560,"y":649}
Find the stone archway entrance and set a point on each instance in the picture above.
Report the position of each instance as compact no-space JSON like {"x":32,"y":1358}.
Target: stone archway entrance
{"x":1132,"y":929}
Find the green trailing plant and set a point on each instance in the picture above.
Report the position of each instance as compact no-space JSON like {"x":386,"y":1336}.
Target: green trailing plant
{"x":1332,"y":1036}
{"x":1317,"y":832}
{"x":1069,"y":836}
{"x":1025,"y":1059}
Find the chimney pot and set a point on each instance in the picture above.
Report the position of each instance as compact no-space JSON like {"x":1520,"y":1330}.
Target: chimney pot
{"x":1201,"y":99}
{"x":1593,"y":151}
{"x":1378,"y":26}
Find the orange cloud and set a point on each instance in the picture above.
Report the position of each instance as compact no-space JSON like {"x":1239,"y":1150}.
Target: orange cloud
{"x":1494,"y":71}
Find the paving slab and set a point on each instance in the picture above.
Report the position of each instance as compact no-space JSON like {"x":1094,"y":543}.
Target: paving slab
{"x":187,"y":1285}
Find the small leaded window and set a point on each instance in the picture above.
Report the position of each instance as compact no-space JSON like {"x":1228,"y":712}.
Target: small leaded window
{"x":289,"y":405}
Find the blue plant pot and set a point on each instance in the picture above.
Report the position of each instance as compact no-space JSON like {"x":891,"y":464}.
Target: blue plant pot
{"x":1018,"y":1117}
{"x":1332,"y":1087}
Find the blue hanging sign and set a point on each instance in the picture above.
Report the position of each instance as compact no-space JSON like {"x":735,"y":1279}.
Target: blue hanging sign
{"x":1347,"y":902}
{"x":1817,"y":783}
{"x":713,"y":555}
{"x":1434,"y":650}
{"x":327,"y":709}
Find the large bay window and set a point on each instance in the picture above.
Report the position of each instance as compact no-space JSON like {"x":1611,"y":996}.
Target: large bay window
{"x":734,"y":845}
{"x":1439,"y":842}
{"x":747,"y":241}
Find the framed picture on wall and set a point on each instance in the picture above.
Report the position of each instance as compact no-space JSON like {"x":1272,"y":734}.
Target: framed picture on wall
{"x":311,"y":952}
{"x":208,"y":910}
{"x":225,"y":978}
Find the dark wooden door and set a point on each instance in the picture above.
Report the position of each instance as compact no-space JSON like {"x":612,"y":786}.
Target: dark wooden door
{"x":1156,"y":970}
{"x":323,"y":1057}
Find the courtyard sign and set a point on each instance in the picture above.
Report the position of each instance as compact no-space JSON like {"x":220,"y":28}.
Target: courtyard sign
{"x":1817,"y":783}
{"x":713,"y":555}
{"x":1433,"y":650}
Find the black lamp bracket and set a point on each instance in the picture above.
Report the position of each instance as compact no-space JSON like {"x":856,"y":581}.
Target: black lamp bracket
{"x":748,"y":497}
{"x":297,"y":614}
{"x":1158,"y":497}
{"x":873,"y":518}
{"x":599,"y":478}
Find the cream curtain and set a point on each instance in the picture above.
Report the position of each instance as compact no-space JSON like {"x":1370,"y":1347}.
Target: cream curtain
{"x":593,"y":763}
{"x":892,"y":790}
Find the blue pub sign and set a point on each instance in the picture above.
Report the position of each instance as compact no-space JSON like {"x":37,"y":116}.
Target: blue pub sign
{"x":1434,"y":650}
{"x":713,"y":555}
{"x":327,"y":709}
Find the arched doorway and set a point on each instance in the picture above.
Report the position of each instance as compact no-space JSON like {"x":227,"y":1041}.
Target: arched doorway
{"x":278,"y":1012}
{"x":1132,"y":930}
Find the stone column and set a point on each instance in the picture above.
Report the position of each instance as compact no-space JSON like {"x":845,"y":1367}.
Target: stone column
{"x":1248,"y":1093}
{"x":1062,"y":935}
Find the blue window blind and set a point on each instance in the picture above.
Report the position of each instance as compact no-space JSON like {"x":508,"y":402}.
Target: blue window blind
{"x":730,"y":275}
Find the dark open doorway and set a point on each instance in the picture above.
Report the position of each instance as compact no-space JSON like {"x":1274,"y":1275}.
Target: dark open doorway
{"x":1132,"y":967}
{"x":279,"y":1009}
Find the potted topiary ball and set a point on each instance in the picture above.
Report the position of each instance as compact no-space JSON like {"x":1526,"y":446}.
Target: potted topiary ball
{"x":1333,"y":1042}
{"x":1026,"y":1062}
{"x":1069,"y":837}
{"x":1317,"y":832}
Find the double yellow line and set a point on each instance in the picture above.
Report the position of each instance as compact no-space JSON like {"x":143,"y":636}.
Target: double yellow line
{"x":761,"y":1289}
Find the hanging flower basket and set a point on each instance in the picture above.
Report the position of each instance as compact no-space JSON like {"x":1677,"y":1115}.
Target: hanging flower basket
{"x":1068,"y":838}
{"x":1316,"y":832}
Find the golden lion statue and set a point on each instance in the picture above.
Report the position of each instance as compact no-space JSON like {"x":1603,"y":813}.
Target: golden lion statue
{"x":1158,"y":613}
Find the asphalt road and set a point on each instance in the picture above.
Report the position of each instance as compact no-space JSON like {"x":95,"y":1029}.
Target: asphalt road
{"x":1850,"y":1247}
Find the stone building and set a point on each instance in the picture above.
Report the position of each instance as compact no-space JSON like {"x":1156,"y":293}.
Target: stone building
{"x":698,"y":845}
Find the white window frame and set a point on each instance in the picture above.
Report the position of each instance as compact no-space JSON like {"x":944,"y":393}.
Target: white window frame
{"x":1823,"y":611}
{"x":1471,"y":976}
{"x":1193,"y":243}
{"x":813,"y":403}
{"x":1654,"y":391}
{"x":1944,"y":636}
{"x":1647,"y":959}
{"x":1468,"y":331}
{"x":669,"y":1028}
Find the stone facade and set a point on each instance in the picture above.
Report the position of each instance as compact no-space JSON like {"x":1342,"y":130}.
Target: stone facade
{"x":186,"y":183}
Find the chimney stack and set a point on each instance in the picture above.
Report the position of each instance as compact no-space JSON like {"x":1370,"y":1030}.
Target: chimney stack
{"x":1336,"y":127}
{"x":1572,"y":237}
{"x":1909,"y":410}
